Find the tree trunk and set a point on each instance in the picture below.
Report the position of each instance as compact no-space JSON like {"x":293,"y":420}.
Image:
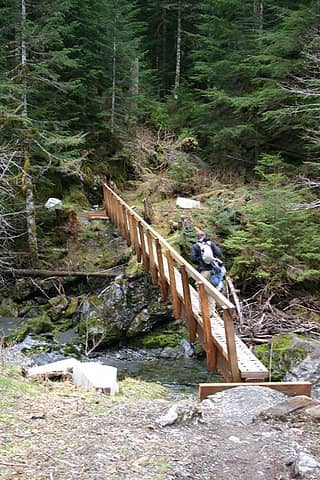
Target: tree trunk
{"x":258,"y":13}
{"x":178,"y":53}
{"x":164,"y":52}
{"x":113,"y":99}
{"x":134,"y":85}
{"x":27,"y":180}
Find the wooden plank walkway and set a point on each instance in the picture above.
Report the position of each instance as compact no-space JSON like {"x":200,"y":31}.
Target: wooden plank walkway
{"x":208,"y":313}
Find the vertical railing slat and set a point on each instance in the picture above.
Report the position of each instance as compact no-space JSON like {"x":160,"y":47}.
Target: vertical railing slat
{"x":152,"y":264}
{"x":145,"y":259}
{"x":162,"y":278}
{"x":192,"y":324}
{"x":205,"y":313}
{"x":137,"y":238}
{"x":231,"y":345}
{"x":125,"y":225}
{"x":173,"y":288}
{"x":132,"y":233}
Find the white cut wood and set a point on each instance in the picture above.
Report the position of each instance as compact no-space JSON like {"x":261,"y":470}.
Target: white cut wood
{"x":187,"y":203}
{"x":60,"y":368}
{"x":53,"y":204}
{"x":94,"y":376}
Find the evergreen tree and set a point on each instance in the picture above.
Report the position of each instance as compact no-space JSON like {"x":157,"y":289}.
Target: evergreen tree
{"x":236,"y":77}
{"x":29,"y":90}
{"x":104,"y":37}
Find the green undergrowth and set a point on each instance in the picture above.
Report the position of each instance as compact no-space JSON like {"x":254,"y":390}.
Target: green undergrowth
{"x":135,"y":389}
{"x":12,"y":383}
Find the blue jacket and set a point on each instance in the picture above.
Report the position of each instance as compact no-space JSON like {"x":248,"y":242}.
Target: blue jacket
{"x":196,"y":254}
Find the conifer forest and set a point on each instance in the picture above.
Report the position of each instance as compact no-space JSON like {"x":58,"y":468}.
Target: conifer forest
{"x":239,"y":79}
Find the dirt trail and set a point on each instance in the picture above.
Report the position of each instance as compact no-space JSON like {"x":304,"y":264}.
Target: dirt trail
{"x":68,"y":434}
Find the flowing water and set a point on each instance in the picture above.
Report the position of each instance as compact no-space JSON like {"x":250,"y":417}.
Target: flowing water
{"x":181,"y":374}
{"x":178,"y":374}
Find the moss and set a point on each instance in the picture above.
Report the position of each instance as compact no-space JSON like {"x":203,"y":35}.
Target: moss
{"x":40,"y":324}
{"x":72,"y":307}
{"x":167,"y":338}
{"x":18,"y":336}
{"x":286,"y":352}
{"x":94,"y":329}
{"x":134,"y":268}
{"x":70,"y":350}
{"x":8,"y":308}
{"x":75,"y":197}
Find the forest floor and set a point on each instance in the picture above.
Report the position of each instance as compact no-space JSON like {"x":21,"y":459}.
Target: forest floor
{"x":53,"y":431}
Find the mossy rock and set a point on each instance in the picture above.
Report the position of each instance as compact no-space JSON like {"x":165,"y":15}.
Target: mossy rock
{"x":161,"y":340}
{"x":40,"y":324}
{"x":35,"y":326}
{"x":97,"y":329}
{"x":134,"y":268}
{"x":8,"y":308}
{"x":168,"y":337}
{"x":18,"y":336}
{"x":72,"y":307}
{"x":286,"y":351}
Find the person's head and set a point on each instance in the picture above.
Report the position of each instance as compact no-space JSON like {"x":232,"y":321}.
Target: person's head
{"x":201,"y":235}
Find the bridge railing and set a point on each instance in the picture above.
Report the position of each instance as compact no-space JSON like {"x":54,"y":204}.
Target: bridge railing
{"x":195,"y":304}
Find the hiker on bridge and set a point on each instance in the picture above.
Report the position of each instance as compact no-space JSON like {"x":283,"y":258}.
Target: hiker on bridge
{"x":207,"y":256}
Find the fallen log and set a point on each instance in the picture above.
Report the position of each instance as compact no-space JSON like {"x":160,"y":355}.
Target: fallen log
{"x":33,"y":272}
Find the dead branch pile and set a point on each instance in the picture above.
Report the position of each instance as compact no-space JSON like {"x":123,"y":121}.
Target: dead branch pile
{"x":260,"y":322}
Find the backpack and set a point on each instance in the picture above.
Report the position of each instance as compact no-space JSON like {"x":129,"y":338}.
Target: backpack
{"x":206,"y":252}
{"x":217,"y":274}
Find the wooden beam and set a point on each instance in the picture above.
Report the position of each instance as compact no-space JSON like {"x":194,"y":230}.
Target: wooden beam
{"x":209,"y":343}
{"x":136,"y":238}
{"x":126,"y":232}
{"x":289,"y":388}
{"x":162,"y":278}
{"x":231,"y":344}
{"x":152,"y":264}
{"x":173,"y":287}
{"x":33,"y":272}
{"x":192,"y":324}
{"x":145,"y":258}
{"x":132,"y":233}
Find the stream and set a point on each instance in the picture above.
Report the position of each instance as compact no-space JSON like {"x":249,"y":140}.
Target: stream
{"x":180,"y":374}
{"x":172,"y":369}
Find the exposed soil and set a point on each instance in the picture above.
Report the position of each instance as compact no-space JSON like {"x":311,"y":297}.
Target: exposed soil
{"x":65,"y":434}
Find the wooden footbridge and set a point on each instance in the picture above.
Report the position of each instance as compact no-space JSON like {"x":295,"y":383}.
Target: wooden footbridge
{"x":209,"y":315}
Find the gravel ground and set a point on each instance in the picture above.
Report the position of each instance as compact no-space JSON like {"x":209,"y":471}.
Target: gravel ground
{"x":64,"y":433}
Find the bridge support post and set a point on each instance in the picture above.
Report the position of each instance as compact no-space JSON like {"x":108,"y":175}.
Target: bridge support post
{"x":231,"y":344}
{"x":145,"y":258}
{"x":162,"y":278}
{"x":173,"y":287}
{"x":208,"y":338}
{"x":132,"y":233}
{"x":153,"y":269}
{"x":136,"y":239}
{"x":125,"y":225}
{"x":192,"y":324}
